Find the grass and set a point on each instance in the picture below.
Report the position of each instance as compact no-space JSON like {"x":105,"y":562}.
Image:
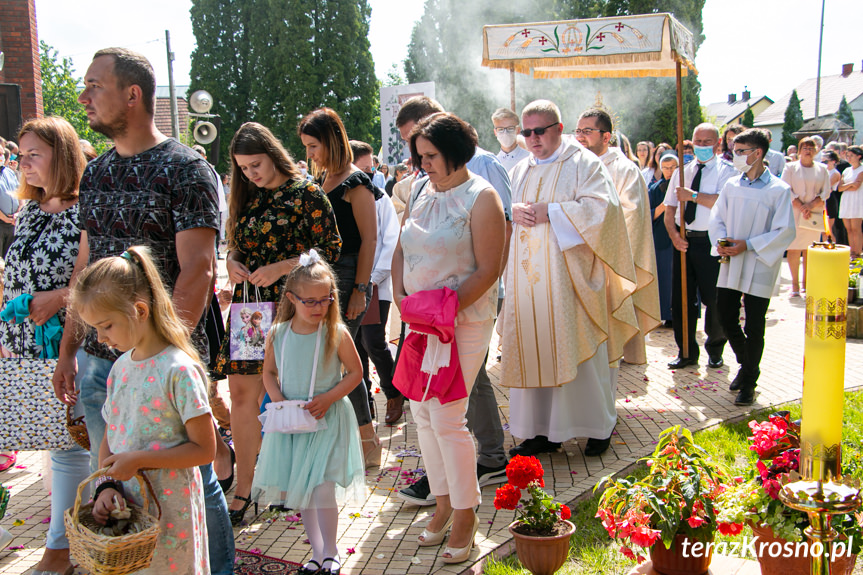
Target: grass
{"x":591,"y":551}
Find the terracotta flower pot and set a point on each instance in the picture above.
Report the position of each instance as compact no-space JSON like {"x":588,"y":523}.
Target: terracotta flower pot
{"x":672,"y":561}
{"x":542,"y":555}
{"x":793,"y":565}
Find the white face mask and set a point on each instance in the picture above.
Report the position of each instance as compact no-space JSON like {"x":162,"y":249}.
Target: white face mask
{"x":506,"y":139}
{"x":740,"y":163}
{"x":304,"y":172}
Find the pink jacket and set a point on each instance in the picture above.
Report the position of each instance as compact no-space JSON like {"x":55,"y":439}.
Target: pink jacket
{"x":430,"y":312}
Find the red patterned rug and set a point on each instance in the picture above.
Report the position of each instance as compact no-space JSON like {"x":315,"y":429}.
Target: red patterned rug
{"x":254,"y":563}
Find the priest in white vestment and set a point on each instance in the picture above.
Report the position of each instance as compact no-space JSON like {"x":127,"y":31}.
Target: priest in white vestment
{"x":570,"y":280}
{"x":594,"y":133}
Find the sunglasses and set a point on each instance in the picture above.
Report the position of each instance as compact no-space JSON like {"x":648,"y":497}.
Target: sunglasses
{"x":538,"y":131}
{"x":314,"y":302}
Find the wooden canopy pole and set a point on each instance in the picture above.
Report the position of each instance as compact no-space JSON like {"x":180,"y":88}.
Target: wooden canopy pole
{"x":684,"y":297}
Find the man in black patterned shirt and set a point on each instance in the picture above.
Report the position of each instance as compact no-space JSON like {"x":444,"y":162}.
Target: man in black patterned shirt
{"x":147,"y":190}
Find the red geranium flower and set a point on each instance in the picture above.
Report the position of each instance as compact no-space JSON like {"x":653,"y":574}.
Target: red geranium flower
{"x":565,"y":513}
{"x":507,"y":497}
{"x":522,"y":471}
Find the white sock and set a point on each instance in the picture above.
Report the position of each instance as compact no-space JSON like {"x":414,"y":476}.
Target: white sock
{"x":313,"y":532}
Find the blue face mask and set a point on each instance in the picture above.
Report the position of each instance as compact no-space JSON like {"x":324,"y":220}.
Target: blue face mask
{"x":703,"y":153}
{"x":13,"y":157}
{"x":688,"y":158}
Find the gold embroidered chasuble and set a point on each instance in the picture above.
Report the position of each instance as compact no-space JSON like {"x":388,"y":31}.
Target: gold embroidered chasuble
{"x":632,"y":191}
{"x":562,"y":305}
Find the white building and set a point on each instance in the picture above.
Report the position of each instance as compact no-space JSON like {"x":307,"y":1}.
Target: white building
{"x":849,"y":84}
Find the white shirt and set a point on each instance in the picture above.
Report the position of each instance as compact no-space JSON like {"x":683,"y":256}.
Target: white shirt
{"x":510,"y":159}
{"x":775,"y":162}
{"x":714,"y":175}
{"x":388,"y":237}
{"x":759,"y":212}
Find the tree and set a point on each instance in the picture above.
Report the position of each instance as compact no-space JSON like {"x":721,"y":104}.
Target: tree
{"x":748,"y":118}
{"x":60,"y":95}
{"x":845,"y":114}
{"x":793,"y":121}
{"x":304,"y":55}
{"x":445,"y":49}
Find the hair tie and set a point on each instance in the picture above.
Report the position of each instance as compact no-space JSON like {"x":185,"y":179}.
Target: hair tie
{"x":310,"y":258}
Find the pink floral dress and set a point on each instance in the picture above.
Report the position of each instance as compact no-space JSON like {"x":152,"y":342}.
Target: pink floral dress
{"x":148,"y":404}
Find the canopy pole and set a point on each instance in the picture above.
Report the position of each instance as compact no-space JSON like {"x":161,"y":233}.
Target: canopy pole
{"x":512,"y":88}
{"x":680,"y":210}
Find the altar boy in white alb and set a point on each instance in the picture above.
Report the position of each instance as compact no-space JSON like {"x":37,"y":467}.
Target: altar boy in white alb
{"x":754,"y":218}
{"x":570,"y":281}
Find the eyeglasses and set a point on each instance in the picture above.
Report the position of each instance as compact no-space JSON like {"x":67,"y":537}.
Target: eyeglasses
{"x":314,"y":302}
{"x":537,"y":131}
{"x":588,"y":131}
{"x":744,"y":151}
{"x":506,"y":130}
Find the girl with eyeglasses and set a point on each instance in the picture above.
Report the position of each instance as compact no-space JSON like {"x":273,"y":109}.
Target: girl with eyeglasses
{"x":314,"y":472}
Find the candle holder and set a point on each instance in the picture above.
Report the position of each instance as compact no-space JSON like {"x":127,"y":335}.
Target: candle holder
{"x":819,"y":500}
{"x":819,"y":489}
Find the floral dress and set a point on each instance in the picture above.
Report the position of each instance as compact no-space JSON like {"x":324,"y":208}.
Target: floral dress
{"x":147,"y":407}
{"x":40,"y":259}
{"x":278,"y":225}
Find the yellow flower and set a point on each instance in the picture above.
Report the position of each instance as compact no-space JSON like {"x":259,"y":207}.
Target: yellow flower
{"x":316,"y":214}
{"x":266,"y":227}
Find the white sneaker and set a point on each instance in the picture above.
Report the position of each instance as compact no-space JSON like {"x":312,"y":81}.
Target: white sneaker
{"x":5,"y":538}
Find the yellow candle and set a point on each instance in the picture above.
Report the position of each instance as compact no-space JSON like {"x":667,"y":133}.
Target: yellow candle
{"x":824,"y":352}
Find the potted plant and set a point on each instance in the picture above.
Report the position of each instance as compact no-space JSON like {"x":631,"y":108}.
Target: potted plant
{"x":854,"y":284}
{"x":755,"y":501}
{"x":671,"y":512}
{"x":541,"y":531}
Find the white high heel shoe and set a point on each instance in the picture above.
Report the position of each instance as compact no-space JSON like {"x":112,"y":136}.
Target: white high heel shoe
{"x":431,"y":538}
{"x":458,"y":555}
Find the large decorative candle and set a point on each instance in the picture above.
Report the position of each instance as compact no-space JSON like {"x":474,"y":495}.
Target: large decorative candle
{"x":824,"y":361}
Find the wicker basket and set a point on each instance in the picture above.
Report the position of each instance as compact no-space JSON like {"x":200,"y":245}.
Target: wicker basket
{"x":104,"y":555}
{"x":77,"y":429}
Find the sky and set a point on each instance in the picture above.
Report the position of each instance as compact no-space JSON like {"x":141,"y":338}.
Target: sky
{"x":768,"y":45}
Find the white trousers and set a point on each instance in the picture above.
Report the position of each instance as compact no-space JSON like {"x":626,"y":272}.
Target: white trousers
{"x":447,"y":448}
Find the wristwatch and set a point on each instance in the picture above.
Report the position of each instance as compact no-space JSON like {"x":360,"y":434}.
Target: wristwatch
{"x":362,"y":288}
{"x":694,"y":196}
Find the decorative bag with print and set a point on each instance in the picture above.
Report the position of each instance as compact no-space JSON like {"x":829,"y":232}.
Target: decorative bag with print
{"x":289,"y":416}
{"x":32,"y":418}
{"x":250,"y":324}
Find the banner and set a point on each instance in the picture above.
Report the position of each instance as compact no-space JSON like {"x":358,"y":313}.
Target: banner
{"x":394,"y":149}
{"x":626,"y":46}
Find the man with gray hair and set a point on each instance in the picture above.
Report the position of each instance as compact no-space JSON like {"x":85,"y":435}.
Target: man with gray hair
{"x":570,"y":283}
{"x":703,"y":179}
{"x":506,"y":130}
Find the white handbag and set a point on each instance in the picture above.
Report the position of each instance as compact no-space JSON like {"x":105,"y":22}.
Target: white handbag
{"x":289,"y":416}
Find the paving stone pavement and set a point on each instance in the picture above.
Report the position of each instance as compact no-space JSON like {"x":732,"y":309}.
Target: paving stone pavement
{"x":379,"y":537}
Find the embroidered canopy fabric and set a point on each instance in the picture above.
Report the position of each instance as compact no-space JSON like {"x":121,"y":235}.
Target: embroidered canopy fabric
{"x":626,"y":46}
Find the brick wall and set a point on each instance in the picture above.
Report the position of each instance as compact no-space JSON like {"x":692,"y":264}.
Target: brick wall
{"x":19,"y":41}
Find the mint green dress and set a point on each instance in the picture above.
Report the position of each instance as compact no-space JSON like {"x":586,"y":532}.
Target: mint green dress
{"x":290,"y":466}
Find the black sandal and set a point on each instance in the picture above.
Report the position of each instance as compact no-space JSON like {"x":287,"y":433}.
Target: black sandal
{"x":330,"y":571}
{"x":237,"y":515}
{"x":304,"y":570}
